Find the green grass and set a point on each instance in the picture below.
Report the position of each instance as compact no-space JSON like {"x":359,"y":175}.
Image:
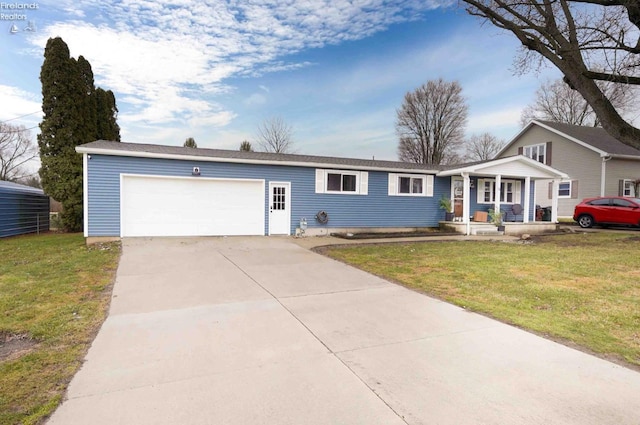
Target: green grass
{"x":54,"y":292}
{"x":579,"y":288}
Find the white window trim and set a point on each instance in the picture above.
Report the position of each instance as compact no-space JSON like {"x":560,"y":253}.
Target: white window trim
{"x":564,"y":196}
{"x":362,"y":181}
{"x":427,"y":184}
{"x":538,"y":147}
{"x":517,"y":191}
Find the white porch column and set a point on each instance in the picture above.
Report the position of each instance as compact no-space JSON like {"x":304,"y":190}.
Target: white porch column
{"x":554,"y":200}
{"x":466,"y":201}
{"x":497,"y":194}
{"x":527,"y":199}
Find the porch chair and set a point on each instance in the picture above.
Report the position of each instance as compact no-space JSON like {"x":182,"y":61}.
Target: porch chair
{"x":515,"y":214}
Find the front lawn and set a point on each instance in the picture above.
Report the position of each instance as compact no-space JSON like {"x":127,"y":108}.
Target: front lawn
{"x":582,"y":289}
{"x":54,"y":295}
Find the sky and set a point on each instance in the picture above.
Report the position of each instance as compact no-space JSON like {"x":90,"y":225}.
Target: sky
{"x":336,"y":71}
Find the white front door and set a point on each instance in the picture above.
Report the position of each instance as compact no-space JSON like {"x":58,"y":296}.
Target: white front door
{"x":279,"y":208}
{"x":457,"y":193}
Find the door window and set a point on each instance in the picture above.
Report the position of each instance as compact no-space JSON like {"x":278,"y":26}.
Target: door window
{"x":278,"y":202}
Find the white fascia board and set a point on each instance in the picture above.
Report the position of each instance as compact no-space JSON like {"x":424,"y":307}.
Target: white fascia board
{"x":477,"y":168}
{"x":115,"y":152}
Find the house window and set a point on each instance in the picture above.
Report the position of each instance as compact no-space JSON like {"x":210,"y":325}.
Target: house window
{"x":487,"y":191}
{"x":410,"y":185}
{"x":343,"y":182}
{"x":506,"y":192}
{"x":564,"y":190}
{"x":536,"y":152}
{"x":509,"y":191}
{"x":628,"y":189}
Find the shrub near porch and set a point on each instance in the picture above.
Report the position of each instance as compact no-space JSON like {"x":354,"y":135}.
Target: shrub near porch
{"x":582,"y":289}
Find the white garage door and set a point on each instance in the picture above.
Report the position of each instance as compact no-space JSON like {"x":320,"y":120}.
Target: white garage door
{"x":194,"y":206}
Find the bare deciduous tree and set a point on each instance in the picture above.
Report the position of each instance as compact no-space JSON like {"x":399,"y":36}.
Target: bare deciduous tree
{"x":556,"y":101}
{"x":587,"y":40}
{"x":275,"y":135}
{"x":483,"y":147}
{"x":430,"y":123}
{"x":16,"y":149}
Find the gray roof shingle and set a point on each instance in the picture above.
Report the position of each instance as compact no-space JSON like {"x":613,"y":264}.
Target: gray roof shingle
{"x":139,"y":148}
{"x":594,"y":136}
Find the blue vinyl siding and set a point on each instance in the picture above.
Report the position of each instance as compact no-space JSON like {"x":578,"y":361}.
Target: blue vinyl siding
{"x":22,"y":210}
{"x":377,"y":209}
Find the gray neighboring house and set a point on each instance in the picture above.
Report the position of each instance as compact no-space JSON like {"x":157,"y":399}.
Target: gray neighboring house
{"x":598,"y":164}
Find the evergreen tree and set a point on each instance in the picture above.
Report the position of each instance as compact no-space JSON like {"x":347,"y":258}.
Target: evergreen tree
{"x":245,"y":146}
{"x":88,"y":113}
{"x":107,"y":114}
{"x":190,"y":143}
{"x":69,"y":120}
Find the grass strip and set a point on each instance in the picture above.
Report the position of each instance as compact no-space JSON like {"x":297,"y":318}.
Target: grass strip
{"x":54,"y":296}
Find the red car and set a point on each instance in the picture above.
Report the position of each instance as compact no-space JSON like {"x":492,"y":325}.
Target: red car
{"x":608,"y":210}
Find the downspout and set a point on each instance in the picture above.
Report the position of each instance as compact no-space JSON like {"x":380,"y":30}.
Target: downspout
{"x":603,"y":174}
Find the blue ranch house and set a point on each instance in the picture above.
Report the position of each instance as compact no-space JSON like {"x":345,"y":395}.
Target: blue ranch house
{"x":141,"y":190}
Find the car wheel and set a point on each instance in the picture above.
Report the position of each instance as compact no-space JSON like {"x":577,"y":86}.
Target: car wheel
{"x":585,"y":221}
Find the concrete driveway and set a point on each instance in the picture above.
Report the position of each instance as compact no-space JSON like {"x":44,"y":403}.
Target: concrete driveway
{"x":262,"y":331}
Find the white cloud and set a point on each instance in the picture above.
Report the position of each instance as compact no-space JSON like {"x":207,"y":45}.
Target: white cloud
{"x":166,"y":59}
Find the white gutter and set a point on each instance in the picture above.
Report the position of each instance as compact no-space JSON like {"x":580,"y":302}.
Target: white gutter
{"x":618,"y":156}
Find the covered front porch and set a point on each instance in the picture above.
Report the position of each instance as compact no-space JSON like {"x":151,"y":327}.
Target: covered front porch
{"x":498,"y":197}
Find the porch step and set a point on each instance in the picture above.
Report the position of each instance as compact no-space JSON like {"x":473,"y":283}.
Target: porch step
{"x":486,"y":230}
{"x":488,"y":233}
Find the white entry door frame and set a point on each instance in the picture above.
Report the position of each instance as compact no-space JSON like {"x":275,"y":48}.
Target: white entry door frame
{"x":279,"y":208}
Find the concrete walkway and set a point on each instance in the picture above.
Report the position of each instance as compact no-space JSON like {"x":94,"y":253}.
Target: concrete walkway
{"x":262,"y":331}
